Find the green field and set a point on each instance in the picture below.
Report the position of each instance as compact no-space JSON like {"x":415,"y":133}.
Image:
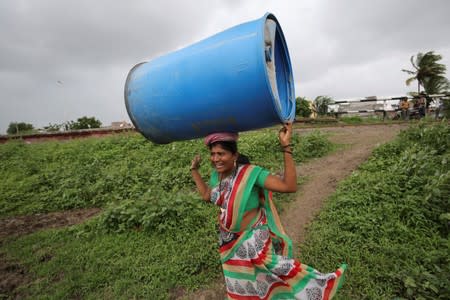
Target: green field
{"x":154,"y":234}
{"x":388,"y":221}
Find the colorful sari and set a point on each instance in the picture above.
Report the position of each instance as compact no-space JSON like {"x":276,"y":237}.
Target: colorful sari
{"x":257,"y":260}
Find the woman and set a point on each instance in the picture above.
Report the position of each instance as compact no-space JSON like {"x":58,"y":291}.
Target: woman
{"x":255,"y":252}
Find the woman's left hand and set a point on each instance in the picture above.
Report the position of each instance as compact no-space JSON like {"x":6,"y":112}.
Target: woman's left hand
{"x":285,"y":133}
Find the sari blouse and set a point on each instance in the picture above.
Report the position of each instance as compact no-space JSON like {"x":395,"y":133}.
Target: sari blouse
{"x":227,"y":185}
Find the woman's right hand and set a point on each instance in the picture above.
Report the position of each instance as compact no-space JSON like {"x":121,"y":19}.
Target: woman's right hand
{"x":202,"y":187}
{"x":195,"y":164}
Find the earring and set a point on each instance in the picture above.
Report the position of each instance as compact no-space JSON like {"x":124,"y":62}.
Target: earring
{"x":235,"y":163}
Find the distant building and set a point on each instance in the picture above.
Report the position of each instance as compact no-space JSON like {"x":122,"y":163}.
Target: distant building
{"x":367,"y":106}
{"x":121,"y":125}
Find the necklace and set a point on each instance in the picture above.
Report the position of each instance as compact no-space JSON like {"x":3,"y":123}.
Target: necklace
{"x":221,"y":201}
{"x":233,"y":174}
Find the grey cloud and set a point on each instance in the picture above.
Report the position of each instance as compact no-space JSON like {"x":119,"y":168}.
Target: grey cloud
{"x":80,"y":32}
{"x":376,"y":29}
{"x":338,"y":48}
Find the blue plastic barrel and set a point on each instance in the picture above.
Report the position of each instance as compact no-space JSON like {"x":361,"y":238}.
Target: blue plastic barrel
{"x":237,"y":80}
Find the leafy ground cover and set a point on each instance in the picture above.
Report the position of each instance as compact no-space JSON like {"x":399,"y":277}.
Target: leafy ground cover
{"x":154,"y":236}
{"x":55,"y":176}
{"x":390,"y":221}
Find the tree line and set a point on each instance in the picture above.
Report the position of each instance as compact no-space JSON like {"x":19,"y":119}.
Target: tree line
{"x":85,"y":122}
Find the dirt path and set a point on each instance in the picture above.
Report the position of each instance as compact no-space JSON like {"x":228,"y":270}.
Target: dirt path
{"x":323,"y":175}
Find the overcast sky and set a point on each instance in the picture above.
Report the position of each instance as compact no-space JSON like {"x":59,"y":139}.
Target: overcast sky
{"x":61,"y":60}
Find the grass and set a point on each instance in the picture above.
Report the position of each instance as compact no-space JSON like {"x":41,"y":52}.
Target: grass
{"x":389,"y":221}
{"x":92,"y":172}
{"x":154,"y":236}
{"x":75,"y":263}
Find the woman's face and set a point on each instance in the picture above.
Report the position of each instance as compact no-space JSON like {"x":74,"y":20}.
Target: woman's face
{"x":222,"y":159}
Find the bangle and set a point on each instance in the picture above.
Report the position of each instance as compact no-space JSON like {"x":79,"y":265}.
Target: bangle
{"x":285,"y":146}
{"x":287,"y":151}
{"x":193,"y":169}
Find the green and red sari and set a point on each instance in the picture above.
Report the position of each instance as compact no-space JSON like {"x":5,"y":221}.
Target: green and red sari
{"x":257,"y":261}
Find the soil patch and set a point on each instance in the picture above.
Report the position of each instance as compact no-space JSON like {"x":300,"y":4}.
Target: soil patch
{"x":13,"y":274}
{"x":323,"y":175}
{"x":16,"y":226}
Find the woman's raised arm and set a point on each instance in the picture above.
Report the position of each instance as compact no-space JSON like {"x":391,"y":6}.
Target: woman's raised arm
{"x":287,"y":183}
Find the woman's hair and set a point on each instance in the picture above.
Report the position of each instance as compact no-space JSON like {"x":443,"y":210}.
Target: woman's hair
{"x":232,"y":147}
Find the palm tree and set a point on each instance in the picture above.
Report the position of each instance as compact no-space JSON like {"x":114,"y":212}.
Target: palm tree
{"x":425,"y":66}
{"x":436,"y":85}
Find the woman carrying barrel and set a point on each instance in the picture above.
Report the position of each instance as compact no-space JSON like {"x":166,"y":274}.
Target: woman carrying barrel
{"x":255,"y":252}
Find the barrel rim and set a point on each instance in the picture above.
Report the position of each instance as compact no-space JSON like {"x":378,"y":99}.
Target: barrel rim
{"x":284,"y":115}
{"x":127,"y":105}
